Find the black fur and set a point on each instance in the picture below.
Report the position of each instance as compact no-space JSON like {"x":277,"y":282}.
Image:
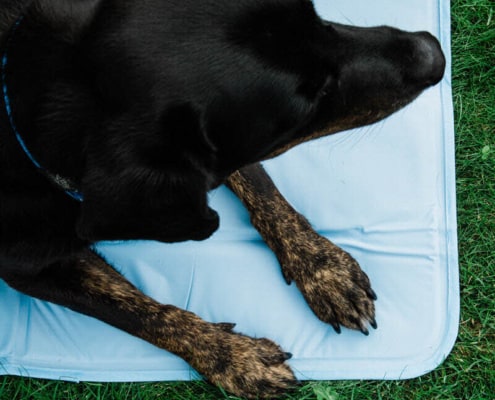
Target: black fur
{"x":147,"y":105}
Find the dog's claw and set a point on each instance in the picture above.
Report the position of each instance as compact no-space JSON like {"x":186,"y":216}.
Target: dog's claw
{"x":373,"y":324}
{"x":337,"y":328}
{"x":365,"y":331}
{"x":372,"y":295}
{"x":288,"y":356}
{"x":226,"y":326}
{"x":287,"y":277}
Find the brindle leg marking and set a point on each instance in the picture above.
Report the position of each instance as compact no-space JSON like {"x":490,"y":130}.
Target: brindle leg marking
{"x":332,"y":282}
{"x":242,"y":365}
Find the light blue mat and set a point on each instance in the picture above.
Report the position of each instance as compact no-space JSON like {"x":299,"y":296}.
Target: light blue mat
{"x":385,"y":193}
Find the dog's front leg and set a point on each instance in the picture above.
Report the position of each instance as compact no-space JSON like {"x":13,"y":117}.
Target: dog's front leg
{"x":241,"y":365}
{"x":332,"y":282}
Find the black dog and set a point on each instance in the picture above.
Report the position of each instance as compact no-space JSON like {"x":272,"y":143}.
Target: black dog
{"x":117,"y":118}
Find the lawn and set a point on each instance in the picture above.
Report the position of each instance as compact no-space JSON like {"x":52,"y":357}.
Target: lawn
{"x":469,"y":372}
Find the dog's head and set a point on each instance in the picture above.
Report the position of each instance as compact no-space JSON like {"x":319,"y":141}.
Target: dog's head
{"x":178,"y":94}
{"x":257,"y":77}
{"x":247,"y":79}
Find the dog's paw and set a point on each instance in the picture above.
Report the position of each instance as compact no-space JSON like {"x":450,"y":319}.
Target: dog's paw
{"x":244,"y":366}
{"x":333,"y":284}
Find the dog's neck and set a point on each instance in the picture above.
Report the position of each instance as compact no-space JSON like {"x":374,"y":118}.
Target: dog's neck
{"x":63,"y":183}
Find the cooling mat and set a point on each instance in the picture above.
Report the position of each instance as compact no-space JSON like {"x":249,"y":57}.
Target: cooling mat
{"x":384,"y":193}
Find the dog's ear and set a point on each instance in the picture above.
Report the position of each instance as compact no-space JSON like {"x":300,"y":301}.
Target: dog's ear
{"x":67,"y":18}
{"x":182,"y":127}
{"x":149,"y":183}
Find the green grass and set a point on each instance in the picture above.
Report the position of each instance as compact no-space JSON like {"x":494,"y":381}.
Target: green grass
{"x":469,"y":372}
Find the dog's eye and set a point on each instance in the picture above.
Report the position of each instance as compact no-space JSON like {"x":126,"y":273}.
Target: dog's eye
{"x":314,"y":89}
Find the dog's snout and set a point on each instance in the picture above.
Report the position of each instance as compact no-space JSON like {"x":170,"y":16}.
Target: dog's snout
{"x":428,"y":65}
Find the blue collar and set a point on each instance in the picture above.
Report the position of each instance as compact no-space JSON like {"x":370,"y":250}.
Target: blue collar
{"x":63,"y":183}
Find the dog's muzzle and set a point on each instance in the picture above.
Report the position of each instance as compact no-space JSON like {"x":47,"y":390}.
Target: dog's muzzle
{"x":428,"y":60}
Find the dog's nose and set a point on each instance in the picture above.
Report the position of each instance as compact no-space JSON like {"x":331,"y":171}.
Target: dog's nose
{"x":428,"y":64}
